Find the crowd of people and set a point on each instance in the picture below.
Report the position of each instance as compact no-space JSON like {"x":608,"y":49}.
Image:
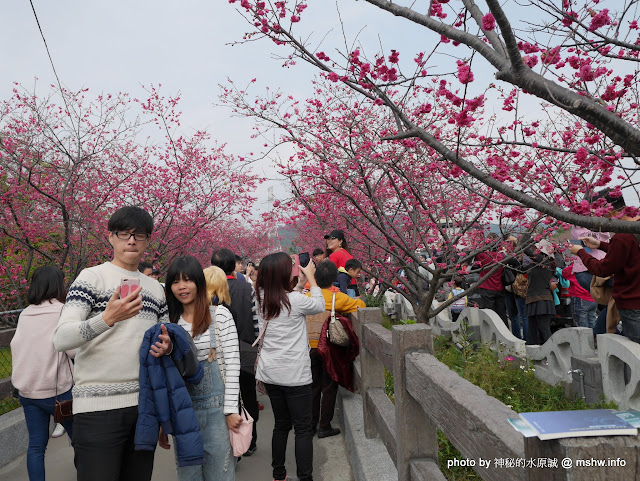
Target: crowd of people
{"x":142,"y":360}
{"x":597,"y":272}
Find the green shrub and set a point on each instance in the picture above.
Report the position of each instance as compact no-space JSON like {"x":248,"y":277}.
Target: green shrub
{"x":372,"y":301}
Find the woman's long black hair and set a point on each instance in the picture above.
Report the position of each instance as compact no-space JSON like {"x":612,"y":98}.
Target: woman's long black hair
{"x":274,"y":279}
{"x":188,"y":268}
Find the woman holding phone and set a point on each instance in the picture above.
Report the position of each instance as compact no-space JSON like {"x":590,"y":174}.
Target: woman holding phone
{"x":284,"y":364}
{"x":214,"y":334}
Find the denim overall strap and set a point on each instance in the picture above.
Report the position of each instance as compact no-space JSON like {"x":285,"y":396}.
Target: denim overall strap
{"x":208,"y":402}
{"x":211,"y":384}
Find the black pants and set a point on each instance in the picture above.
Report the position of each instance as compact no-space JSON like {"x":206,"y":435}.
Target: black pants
{"x":539,"y":329}
{"x":291,"y":407}
{"x":103,"y":444}
{"x":250,"y":401}
{"x":324,"y":391}
{"x":493,"y":300}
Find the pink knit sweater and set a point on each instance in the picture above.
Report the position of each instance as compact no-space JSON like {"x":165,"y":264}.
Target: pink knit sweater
{"x":34,"y":358}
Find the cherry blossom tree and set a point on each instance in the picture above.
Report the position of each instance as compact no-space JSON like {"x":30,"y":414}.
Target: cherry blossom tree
{"x":565,"y":80}
{"x":69,"y":159}
{"x":395,"y":199}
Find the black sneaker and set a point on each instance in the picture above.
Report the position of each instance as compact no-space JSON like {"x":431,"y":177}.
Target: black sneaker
{"x":250,"y":451}
{"x":325,"y":433}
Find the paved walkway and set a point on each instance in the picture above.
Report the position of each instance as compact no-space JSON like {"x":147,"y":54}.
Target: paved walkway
{"x":59,"y":458}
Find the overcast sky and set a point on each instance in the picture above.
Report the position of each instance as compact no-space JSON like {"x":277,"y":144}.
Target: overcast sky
{"x":185,"y":46}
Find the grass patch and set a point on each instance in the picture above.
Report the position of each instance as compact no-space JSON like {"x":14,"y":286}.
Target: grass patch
{"x":510,"y":380}
{"x":5,"y":362}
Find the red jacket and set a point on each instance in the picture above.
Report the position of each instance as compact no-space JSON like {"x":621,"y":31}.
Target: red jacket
{"x":493,"y":283}
{"x":338,"y":360}
{"x":340,"y":258}
{"x":623,"y":262}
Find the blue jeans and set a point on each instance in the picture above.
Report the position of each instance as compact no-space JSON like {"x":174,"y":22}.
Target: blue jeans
{"x":512,"y":313}
{"x":516,"y":310}
{"x":584,"y":279}
{"x":601,"y":323}
{"x":521,"y":304}
{"x":630,"y":323}
{"x":584,"y":312}
{"x":37,"y":414}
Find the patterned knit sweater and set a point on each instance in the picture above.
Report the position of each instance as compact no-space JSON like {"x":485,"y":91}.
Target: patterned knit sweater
{"x":108,"y":358}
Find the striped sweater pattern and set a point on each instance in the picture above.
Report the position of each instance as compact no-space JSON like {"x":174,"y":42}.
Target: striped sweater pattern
{"x":107,"y":359}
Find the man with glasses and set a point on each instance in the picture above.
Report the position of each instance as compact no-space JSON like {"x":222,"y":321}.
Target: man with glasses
{"x":107,"y":331}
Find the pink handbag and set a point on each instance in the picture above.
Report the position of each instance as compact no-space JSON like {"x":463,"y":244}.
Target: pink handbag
{"x":241,"y":440}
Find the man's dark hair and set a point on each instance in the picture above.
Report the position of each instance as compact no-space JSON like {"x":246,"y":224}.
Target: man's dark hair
{"x":131,"y":218}
{"x":326,"y":274}
{"x":238,"y":258}
{"x":317,"y":251}
{"x":47,"y":283}
{"x":352,"y":264}
{"x":458,"y":281}
{"x":224,"y":259}
{"x":145,"y":265}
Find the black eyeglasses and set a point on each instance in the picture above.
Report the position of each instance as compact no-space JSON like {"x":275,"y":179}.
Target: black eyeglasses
{"x":139,"y":236}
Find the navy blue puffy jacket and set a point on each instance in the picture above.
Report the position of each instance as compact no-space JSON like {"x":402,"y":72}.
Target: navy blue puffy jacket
{"x":164,"y":399}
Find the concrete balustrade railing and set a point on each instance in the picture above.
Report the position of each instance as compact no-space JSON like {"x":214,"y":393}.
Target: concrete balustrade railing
{"x":568,"y":357}
{"x":429,"y":396}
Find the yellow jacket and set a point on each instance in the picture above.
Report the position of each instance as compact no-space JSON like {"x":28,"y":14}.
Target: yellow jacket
{"x":344,"y":305}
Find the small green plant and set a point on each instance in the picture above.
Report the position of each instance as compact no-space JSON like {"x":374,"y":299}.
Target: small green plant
{"x":389,"y":387}
{"x":468,"y":346}
{"x":372,"y":301}
{"x":406,"y":321}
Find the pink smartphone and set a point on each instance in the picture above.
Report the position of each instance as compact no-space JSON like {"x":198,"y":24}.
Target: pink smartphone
{"x":295,"y":272}
{"x":127,"y":285}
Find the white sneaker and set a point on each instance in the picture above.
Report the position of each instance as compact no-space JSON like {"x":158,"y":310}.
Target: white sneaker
{"x":58,"y":431}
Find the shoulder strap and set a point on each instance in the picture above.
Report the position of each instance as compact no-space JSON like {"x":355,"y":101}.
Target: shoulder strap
{"x":214,"y":323}
{"x":58,"y":368}
{"x":333,"y":307}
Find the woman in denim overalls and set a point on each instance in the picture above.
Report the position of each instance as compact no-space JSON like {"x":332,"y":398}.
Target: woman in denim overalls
{"x":188,"y":304}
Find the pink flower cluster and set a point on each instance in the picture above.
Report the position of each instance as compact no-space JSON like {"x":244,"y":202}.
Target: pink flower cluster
{"x":600,"y":20}
{"x":465,"y":75}
{"x":436,"y":9}
{"x":488,"y":22}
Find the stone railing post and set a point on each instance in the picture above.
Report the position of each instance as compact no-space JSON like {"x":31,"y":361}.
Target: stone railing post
{"x":416,"y":434}
{"x":372,"y":370}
